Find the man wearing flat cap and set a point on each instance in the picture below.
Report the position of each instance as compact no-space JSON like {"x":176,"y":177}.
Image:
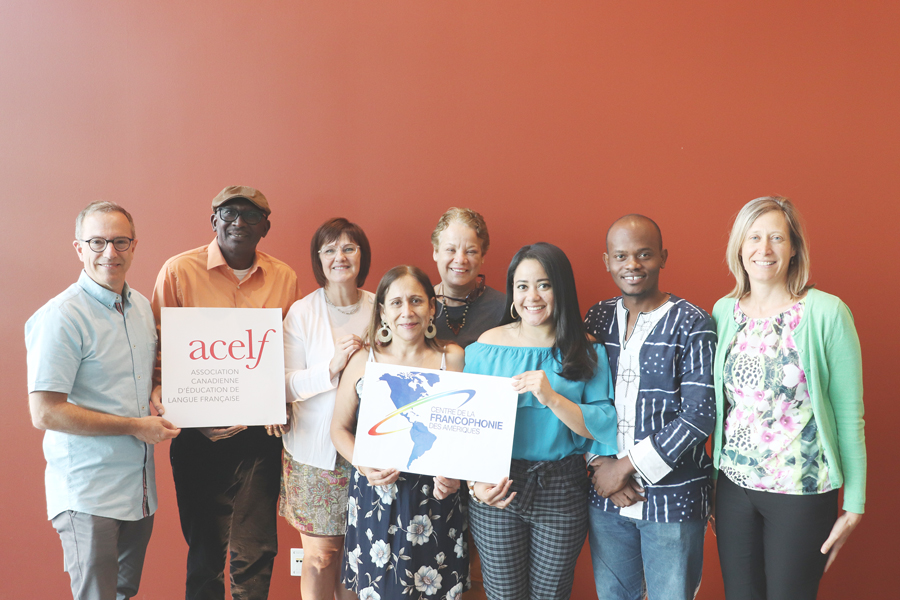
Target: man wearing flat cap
{"x":227,"y":478}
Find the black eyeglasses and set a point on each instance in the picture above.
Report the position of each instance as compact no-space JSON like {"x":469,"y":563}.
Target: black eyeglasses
{"x":121,"y":244}
{"x":250,"y":217}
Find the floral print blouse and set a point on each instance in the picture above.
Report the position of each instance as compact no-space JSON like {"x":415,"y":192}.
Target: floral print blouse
{"x":772,"y":443}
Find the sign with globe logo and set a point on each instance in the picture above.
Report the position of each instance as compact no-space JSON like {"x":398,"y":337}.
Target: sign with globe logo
{"x":432,"y":422}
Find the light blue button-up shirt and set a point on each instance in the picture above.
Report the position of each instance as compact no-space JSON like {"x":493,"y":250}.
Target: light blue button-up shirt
{"x":80,"y":345}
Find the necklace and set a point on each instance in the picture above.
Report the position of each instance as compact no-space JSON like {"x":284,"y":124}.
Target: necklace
{"x":345,"y":310}
{"x":456,"y":325}
{"x":766,"y":308}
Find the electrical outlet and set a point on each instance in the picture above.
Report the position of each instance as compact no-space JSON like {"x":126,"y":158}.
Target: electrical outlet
{"x":296,"y":561}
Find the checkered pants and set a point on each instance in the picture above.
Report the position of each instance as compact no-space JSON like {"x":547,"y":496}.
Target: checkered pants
{"x":529,"y":549}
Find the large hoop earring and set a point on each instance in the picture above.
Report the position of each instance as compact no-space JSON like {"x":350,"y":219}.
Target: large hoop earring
{"x":384,"y":335}
{"x":512,"y":308}
{"x":431,"y":330}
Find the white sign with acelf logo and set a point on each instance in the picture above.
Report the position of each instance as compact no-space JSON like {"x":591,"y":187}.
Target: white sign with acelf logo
{"x":222,"y":366}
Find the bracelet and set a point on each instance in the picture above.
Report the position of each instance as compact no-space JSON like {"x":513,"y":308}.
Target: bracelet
{"x":471,"y":485}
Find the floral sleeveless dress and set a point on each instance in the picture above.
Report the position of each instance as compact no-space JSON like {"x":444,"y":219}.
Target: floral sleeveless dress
{"x":402,"y":542}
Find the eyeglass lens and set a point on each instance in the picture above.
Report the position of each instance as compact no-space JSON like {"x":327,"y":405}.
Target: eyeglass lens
{"x":121,"y":244}
{"x":250,"y":217}
{"x":348,"y":250}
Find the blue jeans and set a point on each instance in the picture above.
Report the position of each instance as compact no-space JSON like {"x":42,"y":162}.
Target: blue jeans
{"x":627,"y":552}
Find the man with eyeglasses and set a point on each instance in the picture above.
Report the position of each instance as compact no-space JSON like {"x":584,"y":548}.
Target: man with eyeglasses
{"x":227,"y":478}
{"x":91,"y":352}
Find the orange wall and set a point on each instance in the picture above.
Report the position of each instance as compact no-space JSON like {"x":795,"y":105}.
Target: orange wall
{"x":551,"y":118}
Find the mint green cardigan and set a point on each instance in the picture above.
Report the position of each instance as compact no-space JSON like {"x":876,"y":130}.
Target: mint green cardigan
{"x":829,"y":353}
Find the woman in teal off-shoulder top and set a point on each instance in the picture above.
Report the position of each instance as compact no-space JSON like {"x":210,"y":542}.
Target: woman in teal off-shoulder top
{"x":530,"y":527}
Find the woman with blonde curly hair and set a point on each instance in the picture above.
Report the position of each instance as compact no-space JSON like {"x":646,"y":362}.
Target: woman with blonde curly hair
{"x":466,"y":307}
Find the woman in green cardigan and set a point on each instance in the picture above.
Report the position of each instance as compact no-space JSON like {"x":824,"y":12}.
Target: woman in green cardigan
{"x":789,"y":431}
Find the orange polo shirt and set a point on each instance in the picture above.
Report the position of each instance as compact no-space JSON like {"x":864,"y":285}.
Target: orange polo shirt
{"x":201,"y":278}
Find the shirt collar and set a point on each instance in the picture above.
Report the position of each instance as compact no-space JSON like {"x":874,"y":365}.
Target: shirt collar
{"x":102,"y":295}
{"x":215,"y":259}
{"x":654,"y":315}
{"x":620,"y":307}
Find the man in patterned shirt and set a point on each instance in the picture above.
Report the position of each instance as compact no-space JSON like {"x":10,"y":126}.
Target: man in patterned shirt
{"x":650,"y":502}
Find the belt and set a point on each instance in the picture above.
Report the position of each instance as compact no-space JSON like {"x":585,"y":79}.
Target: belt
{"x":534,"y":474}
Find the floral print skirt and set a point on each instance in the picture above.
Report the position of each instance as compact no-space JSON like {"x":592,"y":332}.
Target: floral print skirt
{"x":402,"y":542}
{"x":314,"y":500}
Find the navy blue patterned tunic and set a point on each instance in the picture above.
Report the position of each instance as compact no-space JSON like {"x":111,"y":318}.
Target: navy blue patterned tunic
{"x":674,"y":411}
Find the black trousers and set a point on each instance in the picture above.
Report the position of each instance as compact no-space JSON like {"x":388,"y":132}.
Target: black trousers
{"x":227,"y":494}
{"x":769,"y":543}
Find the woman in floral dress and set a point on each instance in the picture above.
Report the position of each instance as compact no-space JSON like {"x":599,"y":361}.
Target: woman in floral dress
{"x":405,"y":532}
{"x":789,"y":429}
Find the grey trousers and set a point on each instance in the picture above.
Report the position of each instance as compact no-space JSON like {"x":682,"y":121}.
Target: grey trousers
{"x":103,"y":557}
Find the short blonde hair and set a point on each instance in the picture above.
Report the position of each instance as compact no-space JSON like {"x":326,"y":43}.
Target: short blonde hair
{"x":467,"y":217}
{"x":798,"y":269}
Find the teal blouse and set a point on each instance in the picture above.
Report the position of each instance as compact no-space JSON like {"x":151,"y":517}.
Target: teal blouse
{"x":539,"y":434}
